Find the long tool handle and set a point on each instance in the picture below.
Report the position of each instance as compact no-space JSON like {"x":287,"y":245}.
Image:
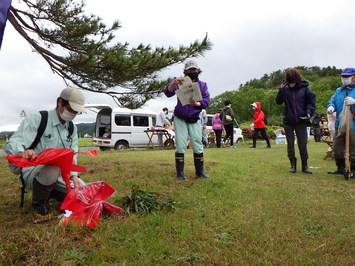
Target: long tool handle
{"x":347,"y":138}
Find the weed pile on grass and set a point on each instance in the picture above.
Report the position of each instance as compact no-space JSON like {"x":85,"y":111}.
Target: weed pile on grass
{"x":141,"y":201}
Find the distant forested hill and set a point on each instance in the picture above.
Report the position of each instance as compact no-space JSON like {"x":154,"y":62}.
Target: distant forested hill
{"x":83,"y":128}
{"x":323,"y":82}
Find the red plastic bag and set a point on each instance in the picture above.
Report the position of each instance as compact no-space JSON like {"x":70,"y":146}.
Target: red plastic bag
{"x":55,"y":156}
{"x":87,"y":202}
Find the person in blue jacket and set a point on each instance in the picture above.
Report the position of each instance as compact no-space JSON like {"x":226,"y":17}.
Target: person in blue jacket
{"x":344,"y":95}
{"x":300,"y":104}
{"x":186,"y":120}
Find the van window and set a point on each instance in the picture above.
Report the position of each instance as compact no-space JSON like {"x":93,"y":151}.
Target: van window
{"x":123,"y":120}
{"x":209,"y":121}
{"x":140,"y":121}
{"x":154,"y":120}
{"x":105,"y":120}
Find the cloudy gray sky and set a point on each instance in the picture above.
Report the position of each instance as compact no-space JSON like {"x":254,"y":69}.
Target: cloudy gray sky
{"x":250,"y":38}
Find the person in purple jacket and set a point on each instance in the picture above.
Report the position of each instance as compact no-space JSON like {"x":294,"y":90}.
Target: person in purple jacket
{"x":186,"y":121}
{"x":217,"y":127}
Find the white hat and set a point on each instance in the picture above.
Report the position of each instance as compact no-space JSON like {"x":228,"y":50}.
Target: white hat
{"x":254,"y":105}
{"x":191,"y":64}
{"x":75,"y":98}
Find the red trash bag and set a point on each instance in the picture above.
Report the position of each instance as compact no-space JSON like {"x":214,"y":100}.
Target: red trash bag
{"x":61,"y":157}
{"x":87,"y":202}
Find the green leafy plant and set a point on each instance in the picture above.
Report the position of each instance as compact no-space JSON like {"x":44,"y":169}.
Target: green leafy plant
{"x":141,"y":201}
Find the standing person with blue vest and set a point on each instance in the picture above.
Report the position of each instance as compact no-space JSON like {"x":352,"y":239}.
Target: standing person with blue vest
{"x":186,"y":121}
{"x":300,"y":104}
{"x":45,"y":181}
{"x":344,"y":95}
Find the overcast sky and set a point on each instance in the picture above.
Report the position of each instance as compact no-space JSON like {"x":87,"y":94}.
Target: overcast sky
{"x":250,"y":38}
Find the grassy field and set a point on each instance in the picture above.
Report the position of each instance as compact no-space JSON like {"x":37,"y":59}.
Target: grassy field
{"x":251,"y":211}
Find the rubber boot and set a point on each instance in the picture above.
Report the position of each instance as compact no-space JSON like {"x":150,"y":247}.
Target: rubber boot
{"x":40,"y":198}
{"x":305,"y":167}
{"x":57,"y":195}
{"x":340,"y":163}
{"x":179,"y":163}
{"x":198,"y":161}
{"x":268,"y":143}
{"x":293,"y":162}
{"x":254,"y":144}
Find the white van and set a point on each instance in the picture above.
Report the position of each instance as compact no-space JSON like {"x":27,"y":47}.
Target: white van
{"x":238,"y":136}
{"x":122,"y":128}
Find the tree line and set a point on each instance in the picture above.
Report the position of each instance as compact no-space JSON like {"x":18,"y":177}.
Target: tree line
{"x":322,"y":81}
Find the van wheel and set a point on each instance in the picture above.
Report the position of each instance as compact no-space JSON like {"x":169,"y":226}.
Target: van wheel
{"x":239,"y":140}
{"x":169,"y":143}
{"x":104,"y":148}
{"x":121,"y":145}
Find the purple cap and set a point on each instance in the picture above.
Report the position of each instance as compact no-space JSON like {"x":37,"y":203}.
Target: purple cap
{"x":348,"y":71}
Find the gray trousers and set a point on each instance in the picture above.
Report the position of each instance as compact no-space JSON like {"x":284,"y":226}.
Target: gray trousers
{"x":339,"y":145}
{"x":45,"y":175}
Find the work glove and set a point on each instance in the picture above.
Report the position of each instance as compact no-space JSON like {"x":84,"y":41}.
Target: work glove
{"x":252,"y":125}
{"x":349,"y":100}
{"x":330,"y":110}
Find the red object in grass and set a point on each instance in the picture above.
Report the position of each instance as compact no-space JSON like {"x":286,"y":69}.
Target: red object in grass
{"x":87,"y":202}
{"x":55,"y":156}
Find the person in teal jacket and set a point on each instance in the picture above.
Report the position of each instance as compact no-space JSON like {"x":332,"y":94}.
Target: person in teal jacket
{"x":45,"y":180}
{"x":344,"y":95}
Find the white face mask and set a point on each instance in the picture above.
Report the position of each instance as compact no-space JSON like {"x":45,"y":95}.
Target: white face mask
{"x":346,"y":80}
{"x":67,"y":116}
{"x":292,"y":85}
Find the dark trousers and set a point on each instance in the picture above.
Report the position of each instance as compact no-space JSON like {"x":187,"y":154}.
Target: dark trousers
{"x":301,"y":134}
{"x":229,"y":133}
{"x":263,"y":134}
{"x":218,"y":133}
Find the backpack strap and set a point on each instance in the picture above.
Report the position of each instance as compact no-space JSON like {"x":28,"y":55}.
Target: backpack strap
{"x":70,"y":129}
{"x":40,"y":130}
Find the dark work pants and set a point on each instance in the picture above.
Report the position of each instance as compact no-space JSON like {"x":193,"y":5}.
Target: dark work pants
{"x":218,"y":133}
{"x":339,"y":145}
{"x":229,"y":133}
{"x":301,"y":134}
{"x":263,"y":134}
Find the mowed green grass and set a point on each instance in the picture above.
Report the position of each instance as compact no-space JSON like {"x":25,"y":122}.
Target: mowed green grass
{"x":251,"y":211}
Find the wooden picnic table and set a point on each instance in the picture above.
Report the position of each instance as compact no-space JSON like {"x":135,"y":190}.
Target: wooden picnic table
{"x":169,"y":142}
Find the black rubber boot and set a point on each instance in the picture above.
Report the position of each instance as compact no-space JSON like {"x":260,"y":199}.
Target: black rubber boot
{"x":57,"y":195}
{"x":198,"y":161}
{"x":254,"y":144}
{"x":305,"y":167}
{"x":179,"y":163}
{"x":40,"y":198}
{"x":340,"y":163}
{"x":268,"y":143}
{"x":293,"y":165}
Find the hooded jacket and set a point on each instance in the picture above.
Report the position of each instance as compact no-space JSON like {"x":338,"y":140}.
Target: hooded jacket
{"x":227,"y":110}
{"x":258,"y":116}
{"x":337,"y":101}
{"x":300,"y":101}
{"x":217,"y":123}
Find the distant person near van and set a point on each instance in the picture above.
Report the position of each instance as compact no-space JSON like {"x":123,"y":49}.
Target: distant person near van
{"x":203,"y":119}
{"x":300,"y":104}
{"x":186,"y":118}
{"x":45,"y":181}
{"x":161,"y":122}
{"x":227,"y":117}
{"x":217,"y":127}
{"x":259,"y":124}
